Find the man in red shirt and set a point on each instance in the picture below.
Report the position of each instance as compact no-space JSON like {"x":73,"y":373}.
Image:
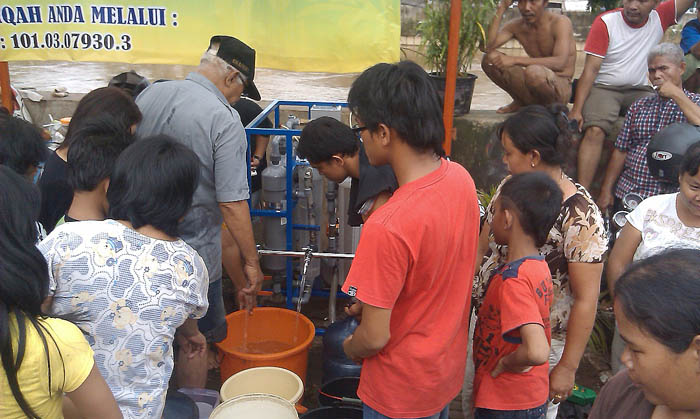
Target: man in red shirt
{"x":414,"y":264}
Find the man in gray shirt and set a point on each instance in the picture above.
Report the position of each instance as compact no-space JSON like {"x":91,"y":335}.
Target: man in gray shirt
{"x":197,"y":112}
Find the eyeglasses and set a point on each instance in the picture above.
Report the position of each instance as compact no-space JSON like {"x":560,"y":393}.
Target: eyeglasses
{"x":243,"y":78}
{"x":358,"y":129}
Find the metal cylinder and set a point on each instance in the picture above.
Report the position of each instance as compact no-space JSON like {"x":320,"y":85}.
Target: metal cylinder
{"x":274,"y":189}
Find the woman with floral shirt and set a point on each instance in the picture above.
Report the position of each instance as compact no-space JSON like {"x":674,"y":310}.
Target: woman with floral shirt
{"x":535,"y":139}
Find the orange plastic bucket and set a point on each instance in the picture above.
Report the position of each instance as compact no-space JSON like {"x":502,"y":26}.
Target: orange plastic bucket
{"x":267,"y":324}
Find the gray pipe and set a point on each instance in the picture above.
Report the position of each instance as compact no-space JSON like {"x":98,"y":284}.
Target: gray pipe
{"x":308,"y":191}
{"x":293,"y":253}
{"x":331,"y":196}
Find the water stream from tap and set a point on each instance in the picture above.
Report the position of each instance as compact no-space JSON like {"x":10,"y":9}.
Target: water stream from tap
{"x":302,"y":289}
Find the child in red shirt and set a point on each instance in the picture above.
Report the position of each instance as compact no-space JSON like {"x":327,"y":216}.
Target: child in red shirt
{"x":512,"y":335}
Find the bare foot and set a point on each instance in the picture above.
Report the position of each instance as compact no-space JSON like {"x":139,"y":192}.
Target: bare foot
{"x":513,"y":107}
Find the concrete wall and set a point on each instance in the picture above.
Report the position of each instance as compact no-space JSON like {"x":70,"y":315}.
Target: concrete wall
{"x":56,"y":107}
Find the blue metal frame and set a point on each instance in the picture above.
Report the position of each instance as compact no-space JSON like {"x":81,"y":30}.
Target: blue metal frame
{"x":253,"y":129}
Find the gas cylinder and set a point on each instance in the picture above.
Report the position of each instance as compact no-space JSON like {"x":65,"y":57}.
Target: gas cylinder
{"x":274,"y":189}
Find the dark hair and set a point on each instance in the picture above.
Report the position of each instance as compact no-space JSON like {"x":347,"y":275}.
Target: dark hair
{"x":21,"y":145}
{"x":131,"y":82}
{"x":105,"y":100}
{"x":153,"y":182}
{"x":536,"y":199}
{"x":95,"y":149}
{"x":540,"y":128}
{"x":325,"y":136}
{"x":23,"y":277}
{"x":660,"y":295}
{"x":400,"y":96}
{"x":691,"y":160}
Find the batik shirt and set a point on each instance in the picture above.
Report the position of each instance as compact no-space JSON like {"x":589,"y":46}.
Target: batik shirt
{"x":645,"y":118}
{"x":578,"y":236}
{"x":128,"y":293}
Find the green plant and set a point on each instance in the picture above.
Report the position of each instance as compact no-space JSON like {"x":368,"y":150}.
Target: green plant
{"x":435,"y":27}
{"x":485,"y":197}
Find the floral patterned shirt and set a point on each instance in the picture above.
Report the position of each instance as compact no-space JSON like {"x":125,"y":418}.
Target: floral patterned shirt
{"x":578,"y":235}
{"x":128,"y":293}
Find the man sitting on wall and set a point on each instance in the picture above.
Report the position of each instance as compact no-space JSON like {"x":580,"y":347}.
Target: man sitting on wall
{"x":544,"y":75}
{"x":614,"y":74}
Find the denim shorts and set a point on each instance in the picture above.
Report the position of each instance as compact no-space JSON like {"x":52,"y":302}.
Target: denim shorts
{"x":213,"y":324}
{"x":534,"y":413}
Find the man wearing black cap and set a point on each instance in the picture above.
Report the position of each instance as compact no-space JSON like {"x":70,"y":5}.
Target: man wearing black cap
{"x":197,"y":112}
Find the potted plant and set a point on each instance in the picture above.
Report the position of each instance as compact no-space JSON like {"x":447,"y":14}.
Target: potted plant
{"x":434,"y":30}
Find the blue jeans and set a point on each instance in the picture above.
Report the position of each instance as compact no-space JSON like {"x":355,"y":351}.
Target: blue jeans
{"x":369,"y":413}
{"x":213,"y":324}
{"x":534,"y":413}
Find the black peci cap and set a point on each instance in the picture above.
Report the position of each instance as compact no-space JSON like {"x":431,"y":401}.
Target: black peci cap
{"x":240,"y":56}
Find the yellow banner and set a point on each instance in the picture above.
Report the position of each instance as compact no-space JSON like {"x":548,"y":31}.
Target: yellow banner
{"x":337,"y":36}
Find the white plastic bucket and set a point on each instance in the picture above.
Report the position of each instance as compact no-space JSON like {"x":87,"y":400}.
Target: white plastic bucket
{"x":264,"y":380}
{"x":255,"y":406}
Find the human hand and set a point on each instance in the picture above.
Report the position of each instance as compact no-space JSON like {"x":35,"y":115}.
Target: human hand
{"x":194,"y":345}
{"x":355,"y":310}
{"x":561,"y":383}
{"x":245,"y":300}
{"x":503,"y":366}
{"x":348,"y":353}
{"x":502,"y":61}
{"x":605,"y":199}
{"x":576,"y":115}
{"x":667,"y":89}
{"x":254,"y":161}
{"x":503,"y":5}
{"x":247,"y":296}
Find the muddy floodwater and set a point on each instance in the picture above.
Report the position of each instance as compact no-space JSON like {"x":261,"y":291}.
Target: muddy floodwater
{"x":81,"y":77}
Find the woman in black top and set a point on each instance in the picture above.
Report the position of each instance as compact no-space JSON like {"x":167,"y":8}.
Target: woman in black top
{"x":56,"y":194}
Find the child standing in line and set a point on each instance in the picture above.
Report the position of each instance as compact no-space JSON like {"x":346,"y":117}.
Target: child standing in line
{"x":512,"y":335}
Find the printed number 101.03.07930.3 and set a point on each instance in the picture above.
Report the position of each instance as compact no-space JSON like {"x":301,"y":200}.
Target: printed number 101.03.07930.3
{"x":71,"y":40}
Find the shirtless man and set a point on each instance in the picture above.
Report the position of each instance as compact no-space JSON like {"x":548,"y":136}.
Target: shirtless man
{"x":542,"y":77}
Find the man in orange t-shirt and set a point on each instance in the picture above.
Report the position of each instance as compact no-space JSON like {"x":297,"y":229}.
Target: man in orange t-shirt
{"x":413,"y":268}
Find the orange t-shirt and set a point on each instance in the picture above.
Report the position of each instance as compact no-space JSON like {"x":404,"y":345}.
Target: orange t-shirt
{"x":416,"y":256}
{"x":519,"y":293}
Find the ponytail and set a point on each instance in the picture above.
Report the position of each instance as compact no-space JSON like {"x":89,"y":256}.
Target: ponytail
{"x":540,"y":128}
